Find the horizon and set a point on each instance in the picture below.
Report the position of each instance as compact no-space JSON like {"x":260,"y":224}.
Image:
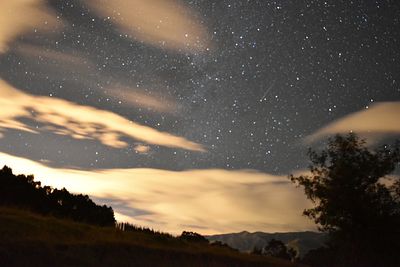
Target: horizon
{"x":190,"y":115}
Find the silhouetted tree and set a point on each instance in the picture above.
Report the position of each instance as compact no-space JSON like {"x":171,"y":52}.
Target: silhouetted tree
{"x":277,"y":248}
{"x":353,"y":202}
{"x":193,"y":237}
{"x":257,"y":251}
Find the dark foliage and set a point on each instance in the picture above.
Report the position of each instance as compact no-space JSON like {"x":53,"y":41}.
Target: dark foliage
{"x":321,"y":257}
{"x":353,"y":203}
{"x":23,"y":192}
{"x":257,"y":251}
{"x":193,"y":237}
{"x":276,"y":248}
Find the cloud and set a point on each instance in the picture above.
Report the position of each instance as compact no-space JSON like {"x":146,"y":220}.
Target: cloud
{"x":150,"y":101}
{"x":378,"y":120}
{"x":80,"y":122}
{"x":20,"y":16}
{"x":142,"y":149}
{"x":55,"y":64}
{"x":163,"y":23}
{"x":56,"y":61}
{"x":208,"y":200}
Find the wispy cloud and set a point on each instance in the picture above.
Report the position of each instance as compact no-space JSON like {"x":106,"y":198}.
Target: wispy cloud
{"x":379,"y":119}
{"x":208,"y":201}
{"x":163,"y":23}
{"x":56,"y":61}
{"x":55,"y":64}
{"x":80,"y":122}
{"x":20,"y":16}
{"x":155,"y":102}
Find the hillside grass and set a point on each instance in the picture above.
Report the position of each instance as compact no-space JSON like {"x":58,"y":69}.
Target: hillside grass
{"x":28,"y":239}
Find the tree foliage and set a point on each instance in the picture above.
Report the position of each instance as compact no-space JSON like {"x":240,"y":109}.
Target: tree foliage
{"x":24,"y":192}
{"x":193,"y":237}
{"x":354,"y":199}
{"x":277,"y":248}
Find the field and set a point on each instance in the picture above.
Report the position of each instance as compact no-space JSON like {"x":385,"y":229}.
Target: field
{"x":28,"y":239}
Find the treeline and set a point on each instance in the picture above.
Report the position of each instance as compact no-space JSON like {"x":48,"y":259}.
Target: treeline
{"x":186,"y":236}
{"x":22,"y":191}
{"x":128,"y":227}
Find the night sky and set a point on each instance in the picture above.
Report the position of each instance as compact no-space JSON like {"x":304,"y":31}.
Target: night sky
{"x":245,"y":85}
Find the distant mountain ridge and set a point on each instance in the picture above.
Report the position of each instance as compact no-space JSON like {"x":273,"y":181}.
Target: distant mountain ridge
{"x":246,"y":242}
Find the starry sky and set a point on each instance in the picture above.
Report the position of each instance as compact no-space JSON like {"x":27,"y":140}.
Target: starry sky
{"x":138,"y":102}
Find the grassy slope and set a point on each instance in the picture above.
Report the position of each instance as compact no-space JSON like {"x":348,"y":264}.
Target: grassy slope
{"x":28,"y":239}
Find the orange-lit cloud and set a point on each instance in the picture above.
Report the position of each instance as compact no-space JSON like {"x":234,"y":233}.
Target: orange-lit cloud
{"x":20,"y":16}
{"x":379,"y":119}
{"x":163,"y":23}
{"x":207,"y":201}
{"x":141,"y":149}
{"x":80,"y":122}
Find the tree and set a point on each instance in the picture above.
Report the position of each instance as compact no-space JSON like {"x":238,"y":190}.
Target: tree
{"x":256,"y":251}
{"x":193,"y":237}
{"x":354,"y":201}
{"x":277,"y":248}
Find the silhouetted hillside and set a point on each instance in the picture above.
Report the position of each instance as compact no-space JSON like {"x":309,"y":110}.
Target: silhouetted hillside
{"x":28,"y":239}
{"x":23,"y":192}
